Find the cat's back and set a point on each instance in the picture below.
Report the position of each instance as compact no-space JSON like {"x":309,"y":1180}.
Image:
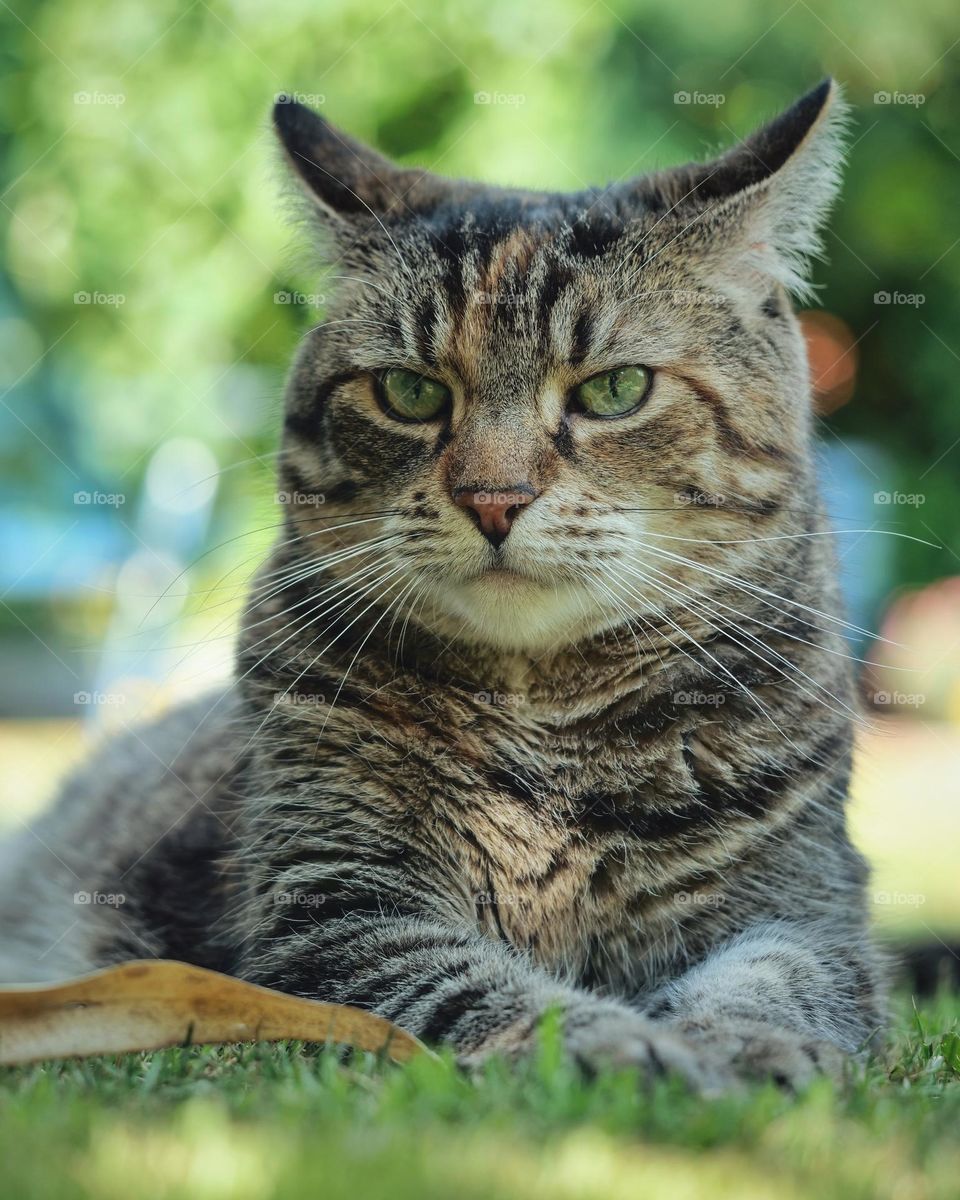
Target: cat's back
{"x":100,"y":876}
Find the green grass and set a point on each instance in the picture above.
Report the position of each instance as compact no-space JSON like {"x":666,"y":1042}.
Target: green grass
{"x":257,"y":1122}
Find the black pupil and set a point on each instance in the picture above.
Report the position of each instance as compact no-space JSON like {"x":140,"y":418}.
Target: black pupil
{"x":413,"y":389}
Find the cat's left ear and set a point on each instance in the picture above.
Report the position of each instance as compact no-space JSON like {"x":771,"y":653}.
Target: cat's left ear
{"x":766,"y":199}
{"x":345,"y":179}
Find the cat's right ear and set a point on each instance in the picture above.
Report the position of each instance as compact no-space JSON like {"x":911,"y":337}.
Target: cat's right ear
{"x":347,"y":180}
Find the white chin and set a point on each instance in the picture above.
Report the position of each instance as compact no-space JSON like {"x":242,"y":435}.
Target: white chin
{"x":515,"y":613}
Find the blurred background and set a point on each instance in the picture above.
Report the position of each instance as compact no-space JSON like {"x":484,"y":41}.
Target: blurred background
{"x":151,"y":297}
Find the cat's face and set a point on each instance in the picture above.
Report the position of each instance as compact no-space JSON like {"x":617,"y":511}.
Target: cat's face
{"x":523,"y":411}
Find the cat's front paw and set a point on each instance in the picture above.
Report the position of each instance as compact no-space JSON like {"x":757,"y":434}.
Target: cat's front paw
{"x":622,"y":1039}
{"x":611,"y":1036}
{"x":756,"y":1052}
{"x":713,"y":1056}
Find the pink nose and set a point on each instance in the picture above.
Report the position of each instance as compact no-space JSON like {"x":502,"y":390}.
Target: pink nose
{"x":495,"y":510}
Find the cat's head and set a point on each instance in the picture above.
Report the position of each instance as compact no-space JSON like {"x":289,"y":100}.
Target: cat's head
{"x":524,"y":410}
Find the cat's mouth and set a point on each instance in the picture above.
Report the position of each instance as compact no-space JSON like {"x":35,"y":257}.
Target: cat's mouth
{"x":503,"y":568}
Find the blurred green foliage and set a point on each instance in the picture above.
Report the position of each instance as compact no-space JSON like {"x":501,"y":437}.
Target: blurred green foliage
{"x":137,"y":165}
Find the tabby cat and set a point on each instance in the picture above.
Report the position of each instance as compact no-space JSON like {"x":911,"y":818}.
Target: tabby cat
{"x":541,"y":701}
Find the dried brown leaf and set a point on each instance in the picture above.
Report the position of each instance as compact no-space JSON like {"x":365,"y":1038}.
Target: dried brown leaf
{"x":155,"y":1003}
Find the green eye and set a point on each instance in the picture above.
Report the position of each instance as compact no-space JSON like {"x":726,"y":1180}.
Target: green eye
{"x":412,"y":397}
{"x":615,"y":393}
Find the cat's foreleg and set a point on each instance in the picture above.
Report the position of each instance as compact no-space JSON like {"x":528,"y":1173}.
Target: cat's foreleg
{"x":781,"y":1000}
{"x":451,"y":985}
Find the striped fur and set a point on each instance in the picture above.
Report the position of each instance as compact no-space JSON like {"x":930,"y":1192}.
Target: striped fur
{"x":601,"y":766}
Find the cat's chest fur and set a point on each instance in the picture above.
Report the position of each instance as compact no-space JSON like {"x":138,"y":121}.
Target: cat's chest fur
{"x":558,"y":831}
{"x":564,"y":828}
{"x":551,"y":839}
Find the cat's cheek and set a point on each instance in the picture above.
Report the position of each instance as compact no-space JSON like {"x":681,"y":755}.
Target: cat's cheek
{"x":371,"y":450}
